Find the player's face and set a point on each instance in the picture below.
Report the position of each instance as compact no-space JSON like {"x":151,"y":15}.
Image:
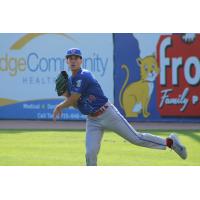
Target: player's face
{"x":74,"y":62}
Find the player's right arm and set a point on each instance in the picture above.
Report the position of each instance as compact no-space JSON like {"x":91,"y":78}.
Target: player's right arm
{"x":69,"y":101}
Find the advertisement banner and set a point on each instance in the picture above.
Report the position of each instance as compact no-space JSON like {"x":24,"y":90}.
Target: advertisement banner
{"x":29,"y":64}
{"x":178,"y":91}
{"x":157,"y":76}
{"x":149,"y":77}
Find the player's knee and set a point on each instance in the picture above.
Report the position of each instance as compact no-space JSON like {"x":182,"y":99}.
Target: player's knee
{"x":136,"y":140}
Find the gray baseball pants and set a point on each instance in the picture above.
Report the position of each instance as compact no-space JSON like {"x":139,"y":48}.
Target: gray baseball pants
{"x":112,"y":120}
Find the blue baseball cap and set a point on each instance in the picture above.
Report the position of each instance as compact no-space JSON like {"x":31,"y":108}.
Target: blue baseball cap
{"x":74,"y":52}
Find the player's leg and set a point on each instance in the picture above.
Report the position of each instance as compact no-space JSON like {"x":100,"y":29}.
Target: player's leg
{"x":94,"y":134}
{"x":117,"y":123}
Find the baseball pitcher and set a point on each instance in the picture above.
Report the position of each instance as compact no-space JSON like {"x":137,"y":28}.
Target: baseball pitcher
{"x":83,"y":92}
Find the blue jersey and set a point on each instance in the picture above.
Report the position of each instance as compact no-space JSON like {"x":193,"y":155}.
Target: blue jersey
{"x":92,"y":96}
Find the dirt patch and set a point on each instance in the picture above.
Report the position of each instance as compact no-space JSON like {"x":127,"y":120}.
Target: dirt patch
{"x":80,"y":125}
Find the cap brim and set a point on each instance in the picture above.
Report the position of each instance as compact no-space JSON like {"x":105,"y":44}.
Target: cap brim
{"x":67,"y":56}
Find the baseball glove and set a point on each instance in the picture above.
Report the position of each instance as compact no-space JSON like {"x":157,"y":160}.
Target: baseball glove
{"x":62,"y":83}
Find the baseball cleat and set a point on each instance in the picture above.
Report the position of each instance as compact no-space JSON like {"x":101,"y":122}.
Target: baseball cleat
{"x":178,"y":147}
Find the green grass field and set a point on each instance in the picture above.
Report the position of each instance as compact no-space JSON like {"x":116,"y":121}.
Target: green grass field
{"x":67,"y":148}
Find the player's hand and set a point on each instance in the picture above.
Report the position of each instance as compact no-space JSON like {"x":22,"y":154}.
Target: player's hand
{"x":57,"y":112}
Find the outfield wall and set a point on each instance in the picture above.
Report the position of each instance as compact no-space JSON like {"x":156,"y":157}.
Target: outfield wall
{"x":29,"y":64}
